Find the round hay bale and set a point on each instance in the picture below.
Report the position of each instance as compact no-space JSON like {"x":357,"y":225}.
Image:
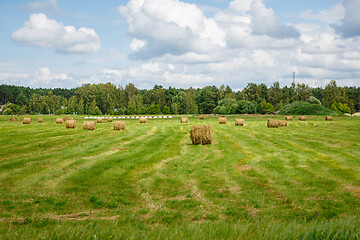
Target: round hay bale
{"x":88,"y":125}
{"x":328,"y":118}
{"x":109,"y":119}
{"x":68,"y":118}
{"x":27,"y":121}
{"x":119,"y":125}
{"x":71,"y":124}
{"x":222,"y":120}
{"x":288,"y":118}
{"x":272,"y":123}
{"x":302,"y":118}
{"x":202,"y":117}
{"x":14,"y":119}
{"x":142,"y":120}
{"x":40,"y":120}
{"x":99,"y":120}
{"x":239,"y":122}
{"x":59,"y":120}
{"x":184,"y":120}
{"x":282,"y":123}
{"x":201,"y":135}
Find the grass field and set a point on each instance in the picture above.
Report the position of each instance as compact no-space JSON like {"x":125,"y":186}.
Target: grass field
{"x":297,"y":182}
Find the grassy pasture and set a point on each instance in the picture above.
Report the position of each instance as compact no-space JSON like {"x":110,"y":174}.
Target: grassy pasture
{"x":299,"y":182}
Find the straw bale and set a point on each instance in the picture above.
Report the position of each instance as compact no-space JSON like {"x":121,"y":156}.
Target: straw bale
{"x":71,"y":124}
{"x":288,"y":118}
{"x":99,"y":120}
{"x":272,"y":123}
{"x":68,"y":118}
{"x":142,"y":120}
{"x":202,"y":117}
{"x":201,"y":135}
{"x":282,"y":123}
{"x":109,"y":119}
{"x":27,"y":121}
{"x":222,"y":120}
{"x":302,"y":118}
{"x":184,"y":120}
{"x":59,"y":120}
{"x":119,"y":125}
{"x":88,"y":125}
{"x":328,"y":118}
{"x":239,"y":122}
{"x":40,"y":120}
{"x":14,"y":119}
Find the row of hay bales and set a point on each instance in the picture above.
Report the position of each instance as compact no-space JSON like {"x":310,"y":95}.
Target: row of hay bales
{"x":90,"y":125}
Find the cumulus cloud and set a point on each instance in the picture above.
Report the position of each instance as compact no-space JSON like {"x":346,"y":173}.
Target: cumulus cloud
{"x":350,"y":24}
{"x":44,"y":77}
{"x":51,"y":6}
{"x":265,"y":22}
{"x":169,"y":26}
{"x":331,"y":15}
{"x":41,"y":31}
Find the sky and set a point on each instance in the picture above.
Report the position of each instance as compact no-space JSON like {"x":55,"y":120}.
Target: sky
{"x":179,"y":43}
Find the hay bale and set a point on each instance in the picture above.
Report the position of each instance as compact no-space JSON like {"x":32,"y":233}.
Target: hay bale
{"x":71,"y":124}
{"x":288,"y":118}
{"x":88,"y":125}
{"x":272,"y":123}
{"x":119,"y":125}
{"x":201,"y":135}
{"x":109,"y":119}
{"x":40,"y":120}
{"x":15,"y":119}
{"x":239,"y":122}
{"x":302,"y":118}
{"x":184,"y":120}
{"x":202,"y":117}
{"x":68,"y":118}
{"x":328,"y":118}
{"x":59,"y":120}
{"x":222,"y":120}
{"x":99,"y":120}
{"x":27,"y":121}
{"x":282,"y":123}
{"x":142,"y":120}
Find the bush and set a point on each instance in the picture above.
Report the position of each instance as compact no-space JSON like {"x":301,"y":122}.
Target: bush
{"x":314,"y":100}
{"x":305,"y":108}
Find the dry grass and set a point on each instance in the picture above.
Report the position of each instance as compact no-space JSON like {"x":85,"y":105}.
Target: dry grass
{"x":88,"y":125}
{"x":27,"y":121}
{"x":142,"y":120}
{"x":119,"y":125}
{"x":282,"y":123}
{"x":59,"y":120}
{"x":272,"y":123}
{"x":302,"y":118}
{"x":239,"y":122}
{"x":201,"y":135}
{"x":184,"y":120}
{"x":71,"y":124}
{"x":222,"y":120}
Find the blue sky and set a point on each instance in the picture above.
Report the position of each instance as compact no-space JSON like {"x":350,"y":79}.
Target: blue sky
{"x":188,"y":43}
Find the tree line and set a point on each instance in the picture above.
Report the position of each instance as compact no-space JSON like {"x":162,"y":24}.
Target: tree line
{"x":97,"y":99}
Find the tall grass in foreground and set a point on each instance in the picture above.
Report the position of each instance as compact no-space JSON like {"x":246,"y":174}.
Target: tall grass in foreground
{"x":298,"y":182}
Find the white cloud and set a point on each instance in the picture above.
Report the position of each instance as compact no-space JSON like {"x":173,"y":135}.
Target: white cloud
{"x":41,"y":31}
{"x":350,"y":24}
{"x":51,"y":6}
{"x":170,"y":26}
{"x":44,"y":77}
{"x":331,"y":15}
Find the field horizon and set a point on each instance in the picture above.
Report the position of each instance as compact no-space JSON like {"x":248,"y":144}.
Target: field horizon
{"x":300,"y":181}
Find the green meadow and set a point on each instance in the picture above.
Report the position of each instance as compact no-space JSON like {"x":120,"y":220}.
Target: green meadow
{"x":253,"y":182}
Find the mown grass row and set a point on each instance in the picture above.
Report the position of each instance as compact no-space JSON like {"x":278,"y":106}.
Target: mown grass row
{"x":299,"y":181}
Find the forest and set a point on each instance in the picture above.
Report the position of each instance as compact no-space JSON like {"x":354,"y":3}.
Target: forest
{"x":98,"y":99}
